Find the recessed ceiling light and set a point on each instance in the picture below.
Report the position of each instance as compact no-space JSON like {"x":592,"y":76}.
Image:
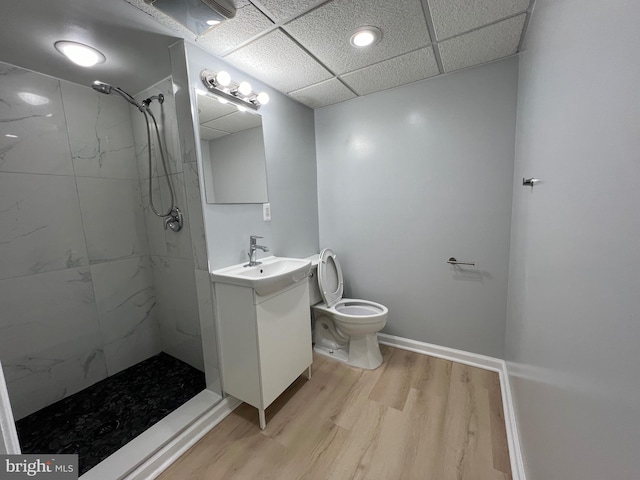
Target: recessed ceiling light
{"x":79,"y":53}
{"x":365,"y":36}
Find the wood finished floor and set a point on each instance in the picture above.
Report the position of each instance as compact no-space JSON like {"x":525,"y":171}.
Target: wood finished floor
{"x":415,"y":417}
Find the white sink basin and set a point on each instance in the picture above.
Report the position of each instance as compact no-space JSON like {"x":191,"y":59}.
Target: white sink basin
{"x":273,"y":274}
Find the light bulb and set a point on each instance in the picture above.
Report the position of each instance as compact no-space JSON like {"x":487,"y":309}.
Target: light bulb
{"x":244,"y":88}
{"x":263,"y":98}
{"x":223,"y":78}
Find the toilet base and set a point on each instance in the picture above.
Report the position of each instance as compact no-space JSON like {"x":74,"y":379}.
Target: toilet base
{"x":339,"y":354}
{"x":363,"y":352}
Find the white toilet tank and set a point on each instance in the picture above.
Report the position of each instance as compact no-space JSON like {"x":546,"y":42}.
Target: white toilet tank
{"x":314,"y":290}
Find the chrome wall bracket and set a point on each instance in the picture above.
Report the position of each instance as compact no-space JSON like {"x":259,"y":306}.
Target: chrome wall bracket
{"x":454,"y":261}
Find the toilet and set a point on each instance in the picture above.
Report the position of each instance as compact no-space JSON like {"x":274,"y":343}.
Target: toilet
{"x":345,"y":328}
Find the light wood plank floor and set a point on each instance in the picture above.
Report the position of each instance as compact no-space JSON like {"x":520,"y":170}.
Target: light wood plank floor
{"x":415,"y":417}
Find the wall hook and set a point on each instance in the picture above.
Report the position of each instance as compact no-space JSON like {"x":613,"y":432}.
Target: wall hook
{"x":530,"y":182}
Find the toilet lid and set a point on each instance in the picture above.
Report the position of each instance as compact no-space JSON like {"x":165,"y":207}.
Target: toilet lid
{"x":330,"y":278}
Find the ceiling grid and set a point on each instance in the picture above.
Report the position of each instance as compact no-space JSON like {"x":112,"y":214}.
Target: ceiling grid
{"x":301,"y":47}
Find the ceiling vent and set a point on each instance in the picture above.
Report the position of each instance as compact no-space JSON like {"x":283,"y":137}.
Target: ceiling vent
{"x":197,"y":15}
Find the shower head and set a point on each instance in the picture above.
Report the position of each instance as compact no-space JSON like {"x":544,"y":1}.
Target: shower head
{"x":102,"y":87}
{"x":109,"y":89}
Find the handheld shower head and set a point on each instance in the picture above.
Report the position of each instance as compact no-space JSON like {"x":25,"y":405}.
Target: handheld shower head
{"x":109,"y":89}
{"x":102,"y":87}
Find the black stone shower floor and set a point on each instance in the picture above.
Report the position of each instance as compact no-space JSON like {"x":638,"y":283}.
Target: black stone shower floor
{"x":100,"y":419}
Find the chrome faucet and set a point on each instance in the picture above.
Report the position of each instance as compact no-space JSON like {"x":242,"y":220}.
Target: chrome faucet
{"x":252,"y":250}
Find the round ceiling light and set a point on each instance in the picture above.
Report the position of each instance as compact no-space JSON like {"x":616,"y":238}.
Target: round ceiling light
{"x":365,"y":36}
{"x":79,"y":53}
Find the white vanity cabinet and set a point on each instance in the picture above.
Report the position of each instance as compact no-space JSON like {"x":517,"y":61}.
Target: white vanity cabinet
{"x":264,"y":341}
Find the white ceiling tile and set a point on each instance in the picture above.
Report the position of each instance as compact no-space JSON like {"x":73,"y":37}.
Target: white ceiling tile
{"x":235,"y":122}
{"x":248,"y":22}
{"x":407,"y":68}
{"x":280,"y":62}
{"x":207,"y":133}
{"x":326,"y":31}
{"x":451,"y":17}
{"x":210,"y":108}
{"x":283,"y":9}
{"x":322,"y":94}
{"x":483,"y":45}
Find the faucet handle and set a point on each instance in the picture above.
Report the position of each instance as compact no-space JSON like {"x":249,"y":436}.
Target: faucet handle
{"x":255,"y":236}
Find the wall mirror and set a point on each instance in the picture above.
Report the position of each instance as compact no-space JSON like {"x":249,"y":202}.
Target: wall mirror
{"x":233,"y":156}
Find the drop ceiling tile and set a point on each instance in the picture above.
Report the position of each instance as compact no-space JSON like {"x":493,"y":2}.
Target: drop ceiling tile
{"x":283,"y":9}
{"x":280,"y":62}
{"x":248,"y":22}
{"x":322,"y":94}
{"x":235,"y":122}
{"x":483,"y":45}
{"x":326,"y":31}
{"x":451,"y":17}
{"x":210,"y":108}
{"x":207,"y":133}
{"x":407,"y":68}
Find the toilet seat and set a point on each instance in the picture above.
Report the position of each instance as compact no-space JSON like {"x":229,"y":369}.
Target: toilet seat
{"x":356,"y":311}
{"x":330,"y":279}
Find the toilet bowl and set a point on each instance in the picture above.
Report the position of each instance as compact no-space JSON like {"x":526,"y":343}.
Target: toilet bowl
{"x":345,"y":328}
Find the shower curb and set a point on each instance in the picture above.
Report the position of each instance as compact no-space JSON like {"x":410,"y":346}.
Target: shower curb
{"x":479,"y":361}
{"x":170,"y":452}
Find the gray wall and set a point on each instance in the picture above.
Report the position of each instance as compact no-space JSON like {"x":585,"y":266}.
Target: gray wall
{"x":291,"y":180}
{"x":412,"y":176}
{"x":573,"y":324}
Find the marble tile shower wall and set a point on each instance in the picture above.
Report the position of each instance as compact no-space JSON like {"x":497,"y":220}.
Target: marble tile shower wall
{"x":174,"y":256}
{"x":77,"y":299}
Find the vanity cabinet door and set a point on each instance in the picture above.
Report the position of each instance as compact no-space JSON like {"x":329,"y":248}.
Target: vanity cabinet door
{"x":284,"y":340}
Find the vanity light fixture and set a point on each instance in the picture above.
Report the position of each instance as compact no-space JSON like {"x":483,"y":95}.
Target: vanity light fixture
{"x":79,"y":53}
{"x":365,"y":36}
{"x":240,"y":94}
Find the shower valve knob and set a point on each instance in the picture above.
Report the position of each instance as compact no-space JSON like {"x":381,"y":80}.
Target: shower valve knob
{"x":174,"y":221}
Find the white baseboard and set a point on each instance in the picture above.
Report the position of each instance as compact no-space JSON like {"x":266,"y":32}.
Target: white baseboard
{"x":163,"y":458}
{"x":480,"y":361}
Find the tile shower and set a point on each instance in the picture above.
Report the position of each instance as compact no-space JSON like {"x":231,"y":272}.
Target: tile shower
{"x":90,"y":282}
